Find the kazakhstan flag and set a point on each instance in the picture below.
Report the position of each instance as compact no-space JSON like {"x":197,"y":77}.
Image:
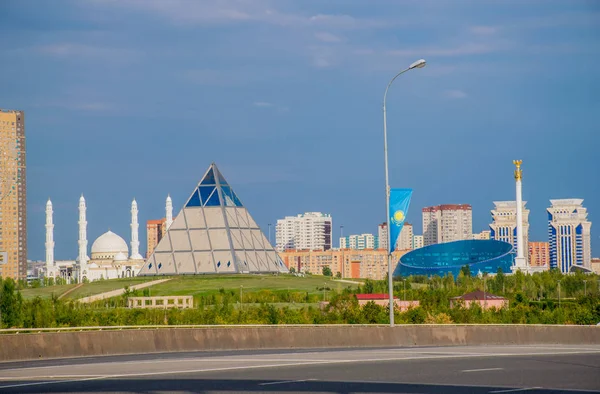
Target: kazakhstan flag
{"x":399,"y":203}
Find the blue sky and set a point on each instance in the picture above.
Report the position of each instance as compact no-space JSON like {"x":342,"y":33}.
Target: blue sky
{"x":132,"y":98}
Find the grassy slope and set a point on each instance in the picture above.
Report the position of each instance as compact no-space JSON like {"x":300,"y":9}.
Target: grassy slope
{"x":45,"y":292}
{"x":85,"y":290}
{"x":196,"y":285}
{"x":103,"y":286}
{"x":202,"y":285}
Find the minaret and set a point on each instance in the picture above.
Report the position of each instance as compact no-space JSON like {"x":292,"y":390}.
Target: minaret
{"x":50,"y":268}
{"x":169,"y":211}
{"x":83,"y":258}
{"x":520,"y":260}
{"x":135,"y":243}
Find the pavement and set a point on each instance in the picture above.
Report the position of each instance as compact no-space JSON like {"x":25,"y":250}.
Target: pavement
{"x":464,"y":369}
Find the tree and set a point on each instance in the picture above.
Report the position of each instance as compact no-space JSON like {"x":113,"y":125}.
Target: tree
{"x":10,"y":304}
{"x":466,"y":270}
{"x":292,"y":270}
{"x":338,"y":275}
{"x":327,"y":271}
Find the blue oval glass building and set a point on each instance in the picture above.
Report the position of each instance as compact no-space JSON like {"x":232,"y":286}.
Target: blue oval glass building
{"x":439,"y":259}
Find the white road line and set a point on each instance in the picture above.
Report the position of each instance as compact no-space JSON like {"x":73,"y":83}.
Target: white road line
{"x":285,"y":364}
{"x":482,"y":370}
{"x":515,"y":390}
{"x":286,"y":381}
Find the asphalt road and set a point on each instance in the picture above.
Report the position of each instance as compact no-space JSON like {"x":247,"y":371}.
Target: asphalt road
{"x":489,"y":369}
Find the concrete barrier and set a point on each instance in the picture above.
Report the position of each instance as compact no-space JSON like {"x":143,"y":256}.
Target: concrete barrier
{"x":15,"y":347}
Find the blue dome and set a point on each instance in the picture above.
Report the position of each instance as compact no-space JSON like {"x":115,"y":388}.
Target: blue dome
{"x":439,"y":259}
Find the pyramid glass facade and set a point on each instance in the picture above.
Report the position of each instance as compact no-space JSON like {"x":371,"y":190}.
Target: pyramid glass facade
{"x":213,"y":234}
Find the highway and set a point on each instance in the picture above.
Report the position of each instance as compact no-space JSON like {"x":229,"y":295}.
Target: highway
{"x":465,"y":369}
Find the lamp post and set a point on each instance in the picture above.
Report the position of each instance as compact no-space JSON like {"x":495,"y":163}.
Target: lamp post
{"x":404,"y":283}
{"x":242,"y":297}
{"x":418,"y":64}
{"x":585,"y":288}
{"x":559,"y":293}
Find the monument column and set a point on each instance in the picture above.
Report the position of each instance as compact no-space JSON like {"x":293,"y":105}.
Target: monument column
{"x":520,"y":261}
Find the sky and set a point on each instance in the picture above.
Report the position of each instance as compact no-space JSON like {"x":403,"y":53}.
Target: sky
{"x":132,"y":99}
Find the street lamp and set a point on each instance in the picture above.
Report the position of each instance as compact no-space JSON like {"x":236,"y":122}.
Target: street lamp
{"x":418,"y":64}
{"x":242,"y":297}
{"x":559,"y":293}
{"x":404,"y":283}
{"x":585,"y":287}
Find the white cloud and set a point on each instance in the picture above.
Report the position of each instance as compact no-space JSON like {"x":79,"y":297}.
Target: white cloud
{"x":461,"y":50}
{"x":327,"y":37}
{"x":454,"y":94}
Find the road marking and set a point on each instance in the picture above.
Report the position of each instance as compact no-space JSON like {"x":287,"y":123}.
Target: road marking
{"x":286,"y":381}
{"x":482,"y":370}
{"x":515,"y":390}
{"x":286,"y":363}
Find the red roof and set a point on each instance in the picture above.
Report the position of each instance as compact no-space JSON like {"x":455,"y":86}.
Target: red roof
{"x":367,"y":297}
{"x":478,"y":295}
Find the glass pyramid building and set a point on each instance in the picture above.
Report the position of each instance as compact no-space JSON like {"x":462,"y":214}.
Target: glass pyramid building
{"x":213,"y":234}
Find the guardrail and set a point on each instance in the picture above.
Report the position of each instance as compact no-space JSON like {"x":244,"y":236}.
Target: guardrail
{"x":188,"y":326}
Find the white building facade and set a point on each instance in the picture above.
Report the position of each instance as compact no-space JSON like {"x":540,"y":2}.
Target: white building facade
{"x":359,"y":242}
{"x":504,"y":223}
{"x":447,"y":223}
{"x":308,"y":231}
{"x":569,"y":235}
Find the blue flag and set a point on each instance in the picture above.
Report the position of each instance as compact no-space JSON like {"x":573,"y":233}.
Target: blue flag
{"x":399,"y":202}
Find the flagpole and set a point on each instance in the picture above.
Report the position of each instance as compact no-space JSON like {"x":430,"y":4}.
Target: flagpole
{"x":417,"y":64}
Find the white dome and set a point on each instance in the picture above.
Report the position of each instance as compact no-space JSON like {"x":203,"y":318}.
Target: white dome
{"x":120,"y":257}
{"x":109,"y":242}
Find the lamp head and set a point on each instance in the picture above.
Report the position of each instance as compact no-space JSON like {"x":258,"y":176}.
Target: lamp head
{"x":418,"y":64}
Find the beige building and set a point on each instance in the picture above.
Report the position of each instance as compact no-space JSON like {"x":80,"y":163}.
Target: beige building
{"x":447,"y":223}
{"x":382,"y":235}
{"x":595,"y":265}
{"x":504,"y":224}
{"x":405,"y":242}
{"x":486,"y":234}
{"x":13,"y":195}
{"x":371,"y":264}
{"x":539,"y":254}
{"x":418,"y":241}
{"x":155,"y":230}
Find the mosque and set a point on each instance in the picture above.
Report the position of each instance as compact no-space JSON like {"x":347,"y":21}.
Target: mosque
{"x":110,"y":257}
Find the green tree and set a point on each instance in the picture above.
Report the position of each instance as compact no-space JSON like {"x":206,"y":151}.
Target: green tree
{"x":327,"y":271}
{"x":10,"y":304}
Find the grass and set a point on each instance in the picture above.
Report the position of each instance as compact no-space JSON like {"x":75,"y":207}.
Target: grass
{"x":87,"y":289}
{"x":196,"y":285}
{"x":205,"y":285}
{"x":102,"y":286}
{"x":45,"y":292}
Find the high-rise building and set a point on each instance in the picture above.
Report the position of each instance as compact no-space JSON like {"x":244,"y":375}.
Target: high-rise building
{"x":382,"y":235}
{"x":504,"y":223}
{"x":308,"y":231}
{"x":405,"y":242}
{"x":539,"y":254}
{"x":359,"y":242}
{"x":13,"y":195}
{"x":418,"y":241}
{"x":155,"y":230}
{"x":447,"y":223}
{"x":569,"y":234}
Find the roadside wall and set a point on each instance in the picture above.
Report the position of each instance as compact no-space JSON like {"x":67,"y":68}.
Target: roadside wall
{"x":15,"y":347}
